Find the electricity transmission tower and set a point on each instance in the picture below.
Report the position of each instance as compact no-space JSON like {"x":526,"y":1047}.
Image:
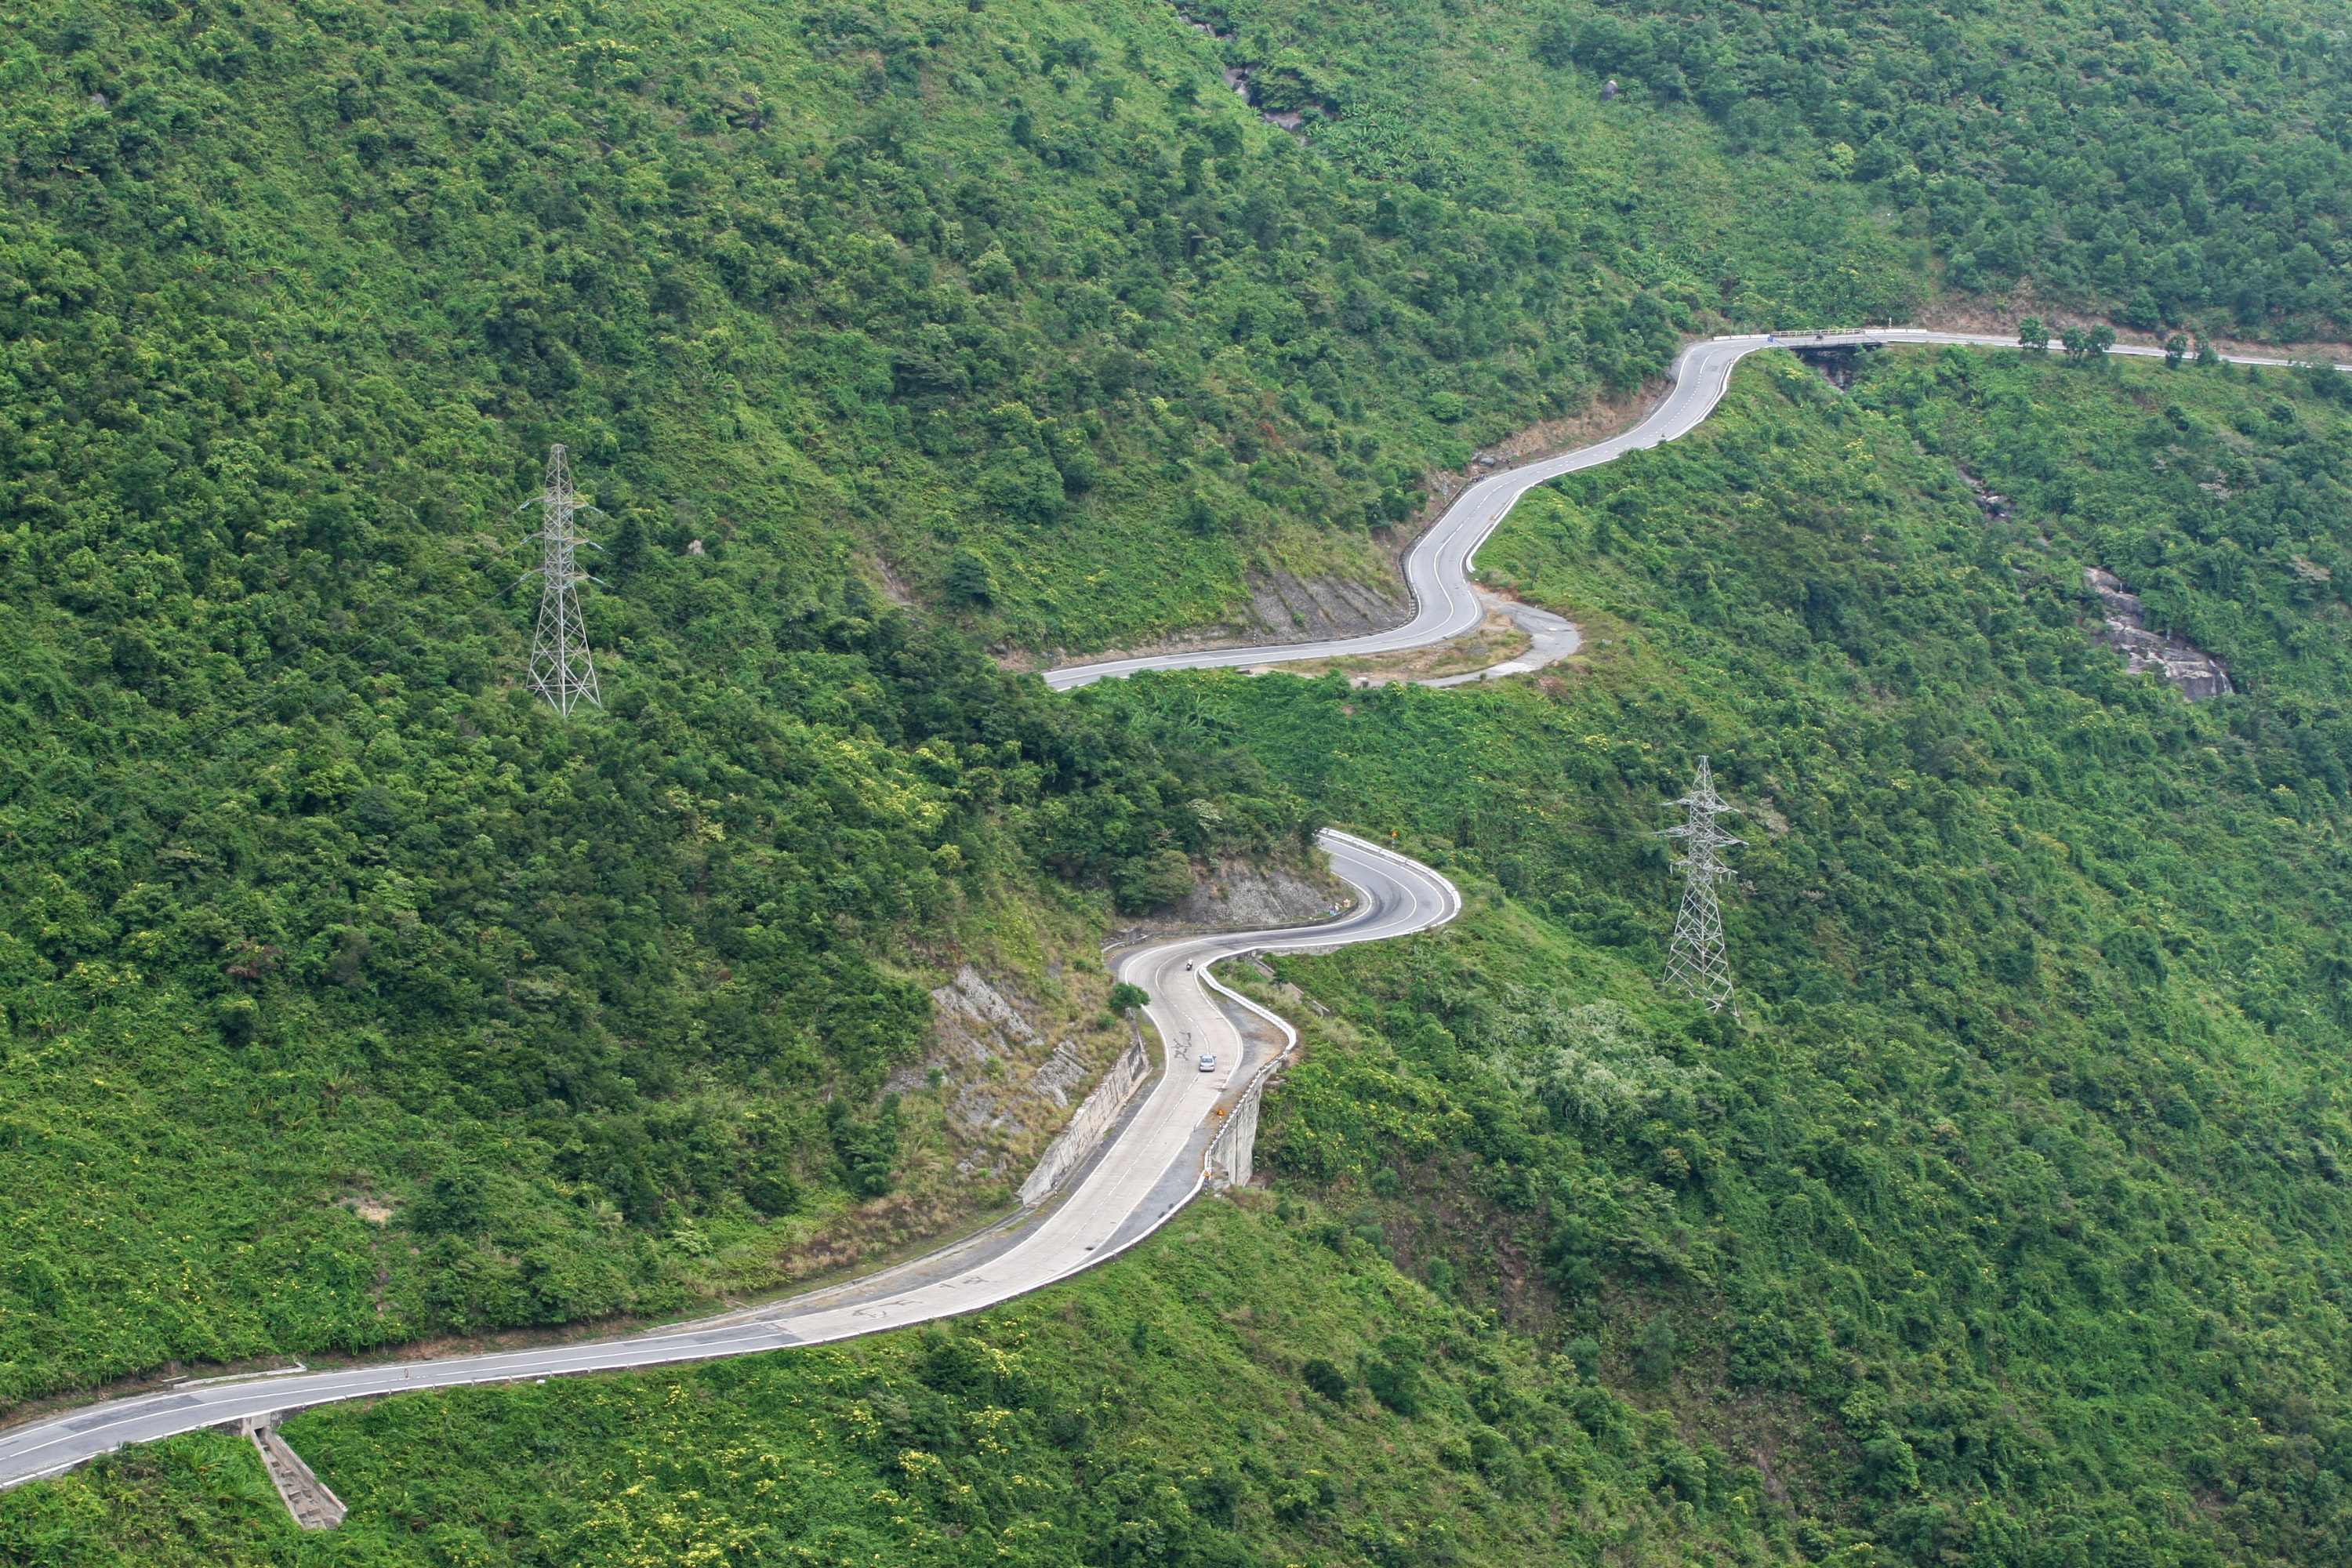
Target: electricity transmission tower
{"x":562,"y":669}
{"x":1696,"y":961}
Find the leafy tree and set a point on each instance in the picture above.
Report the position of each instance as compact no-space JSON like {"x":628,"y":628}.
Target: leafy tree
{"x":969,"y":579}
{"x":1153,"y":880}
{"x":867,"y":1150}
{"x":1325,"y":1379}
{"x":1393,"y":1376}
{"x":1654,"y":1350}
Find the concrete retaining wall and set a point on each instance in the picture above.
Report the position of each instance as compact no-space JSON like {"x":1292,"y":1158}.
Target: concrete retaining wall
{"x":1095,"y":1117}
{"x":305,"y":1495}
{"x":1232,"y":1156}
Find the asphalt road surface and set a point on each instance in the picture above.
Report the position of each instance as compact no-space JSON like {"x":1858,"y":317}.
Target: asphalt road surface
{"x":1151,"y":1164}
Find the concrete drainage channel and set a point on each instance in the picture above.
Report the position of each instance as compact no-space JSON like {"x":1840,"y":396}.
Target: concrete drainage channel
{"x":306,"y":1497}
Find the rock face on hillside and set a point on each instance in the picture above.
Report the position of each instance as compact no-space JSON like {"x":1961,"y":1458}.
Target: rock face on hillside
{"x":2187,"y":666}
{"x":1237,"y":893}
{"x":1283,"y":608}
{"x":1287,"y":608}
{"x":1011,"y":1083}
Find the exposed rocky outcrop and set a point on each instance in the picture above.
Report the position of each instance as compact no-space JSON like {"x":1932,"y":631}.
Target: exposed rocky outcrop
{"x":1283,"y":608}
{"x":1293,"y":609}
{"x":2188,"y":667}
{"x":1240,"y":893}
{"x":1835,"y":363}
{"x":1996,"y":507}
{"x":1008,"y":1084}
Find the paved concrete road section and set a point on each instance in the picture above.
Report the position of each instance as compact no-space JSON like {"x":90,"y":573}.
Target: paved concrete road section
{"x":1151,"y":1167}
{"x":1551,"y":638}
{"x":1437,"y":568}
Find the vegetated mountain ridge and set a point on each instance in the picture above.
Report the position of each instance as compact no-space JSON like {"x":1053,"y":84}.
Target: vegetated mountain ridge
{"x":312,"y":921}
{"x":2004,"y":1226}
{"x":2157,"y":164}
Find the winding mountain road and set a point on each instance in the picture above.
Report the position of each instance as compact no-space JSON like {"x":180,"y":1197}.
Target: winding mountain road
{"x":1150,"y":1164}
{"x":1437,"y":568}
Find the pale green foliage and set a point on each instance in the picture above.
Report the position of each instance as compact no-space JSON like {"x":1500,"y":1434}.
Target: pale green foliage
{"x":1592,"y":1061}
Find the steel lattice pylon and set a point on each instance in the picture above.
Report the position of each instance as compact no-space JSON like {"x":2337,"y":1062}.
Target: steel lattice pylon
{"x":1696,"y":961}
{"x":561,"y":668}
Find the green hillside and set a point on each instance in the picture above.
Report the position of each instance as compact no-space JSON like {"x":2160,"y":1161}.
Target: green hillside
{"x":2003,"y":1226}
{"x":2018,"y":1181}
{"x":1020,"y":299}
{"x":2160,"y":164}
{"x":350,"y":998}
{"x":1231,"y":1395}
{"x":1016,"y":307}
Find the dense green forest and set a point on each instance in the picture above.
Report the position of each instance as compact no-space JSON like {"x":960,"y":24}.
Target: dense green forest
{"x":2003,"y":1226}
{"x":2162,"y":163}
{"x":311,"y":916}
{"x":350,"y":997}
{"x":1020,"y":296}
{"x":2159,"y":163}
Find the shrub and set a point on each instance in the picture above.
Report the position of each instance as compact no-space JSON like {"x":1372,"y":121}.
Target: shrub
{"x":1326,"y":1378}
{"x":1393,"y":1376}
{"x":1152,"y":881}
